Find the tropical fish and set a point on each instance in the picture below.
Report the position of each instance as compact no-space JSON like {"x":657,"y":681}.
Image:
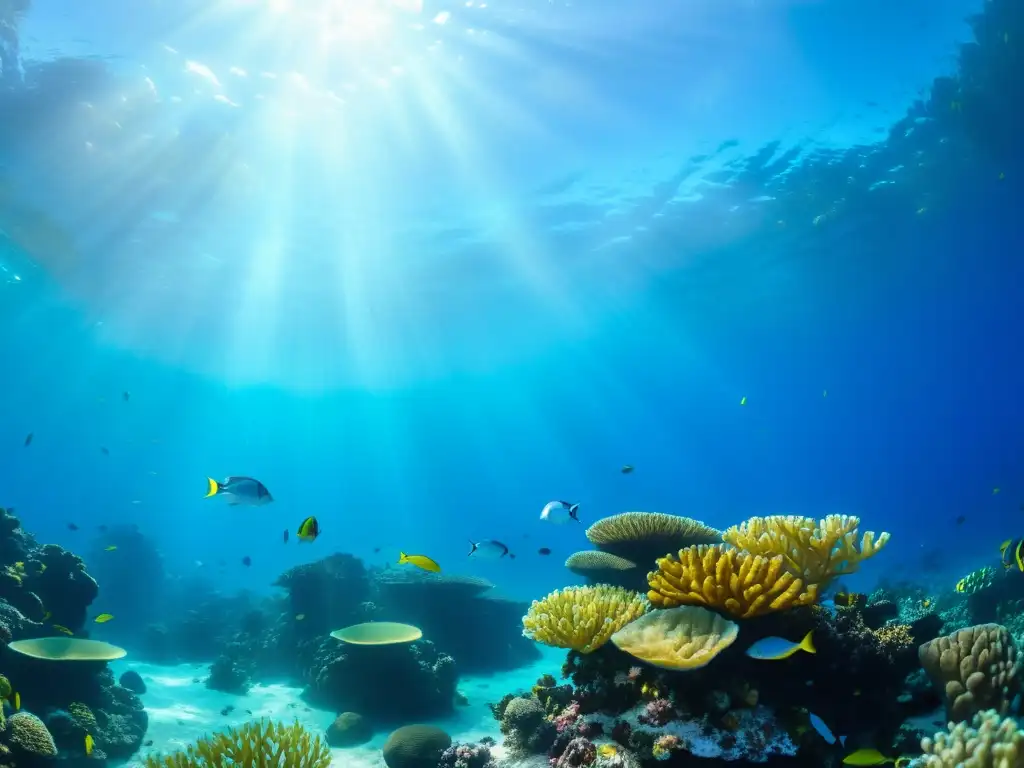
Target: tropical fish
{"x":1010,"y":554}
{"x":240,"y":491}
{"x":823,"y":730}
{"x":559,"y":512}
{"x":850,"y":599}
{"x":28,"y":439}
{"x":777,"y":648}
{"x":626,"y":469}
{"x":309,"y":529}
{"x":743,"y":400}
{"x":63,"y":630}
{"x":72,"y":527}
{"x":246,"y":561}
{"x":88,"y":744}
{"x":103,"y":618}
{"x":607,"y":750}
{"x":420,"y":561}
{"x":873,"y":757}
{"x":490,"y":549}
{"x":111,"y":548}
{"x":995,"y":491}
{"x":544,"y":551}
{"x":19,"y":565}
{"x":15,"y":699}
{"x":47,"y":615}
{"x":824,"y":393}
{"x":285,"y":536}
{"x":126,"y":395}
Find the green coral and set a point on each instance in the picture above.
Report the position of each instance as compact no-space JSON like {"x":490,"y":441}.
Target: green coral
{"x":27,"y":733}
{"x":83,"y":717}
{"x":5,"y":687}
{"x":262,"y":744}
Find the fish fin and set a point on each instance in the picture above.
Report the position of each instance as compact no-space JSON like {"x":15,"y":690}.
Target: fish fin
{"x":402,"y":558}
{"x":213,"y":488}
{"x":573,"y":510}
{"x":472,"y":545}
{"x":807,"y":644}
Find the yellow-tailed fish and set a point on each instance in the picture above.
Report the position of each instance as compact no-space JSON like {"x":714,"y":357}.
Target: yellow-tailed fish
{"x":873,"y":757}
{"x":88,"y":744}
{"x":111,"y":548}
{"x":743,"y":401}
{"x":420,"y":561}
{"x":777,"y":648}
{"x":103,"y":618}
{"x":309,"y":529}
{"x":63,"y":630}
{"x":1011,"y":553}
{"x":245,"y":491}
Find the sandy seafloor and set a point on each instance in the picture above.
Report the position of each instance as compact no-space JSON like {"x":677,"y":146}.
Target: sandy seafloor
{"x":182,"y":711}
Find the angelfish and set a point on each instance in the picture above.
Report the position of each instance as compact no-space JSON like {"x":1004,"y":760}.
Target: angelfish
{"x":489,"y":549}
{"x":240,"y":491}
{"x":560,"y":512}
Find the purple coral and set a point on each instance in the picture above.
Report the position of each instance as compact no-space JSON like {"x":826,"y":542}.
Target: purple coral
{"x":466,"y":756}
{"x":567,"y":717}
{"x":657,"y":713}
{"x":580,"y":752}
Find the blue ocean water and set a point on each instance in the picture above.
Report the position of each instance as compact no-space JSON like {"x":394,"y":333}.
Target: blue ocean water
{"x":421,"y":271}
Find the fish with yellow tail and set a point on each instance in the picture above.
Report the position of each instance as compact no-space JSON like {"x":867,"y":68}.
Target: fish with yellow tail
{"x":1011,"y":553}
{"x":239,"y":491}
{"x":420,"y":561}
{"x":309,"y":529}
{"x":778,"y":648}
{"x":89,"y":743}
{"x":874,"y":757}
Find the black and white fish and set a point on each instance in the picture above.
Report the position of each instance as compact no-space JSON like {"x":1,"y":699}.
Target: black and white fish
{"x":240,"y":490}
{"x":489,"y":549}
{"x":560,"y":512}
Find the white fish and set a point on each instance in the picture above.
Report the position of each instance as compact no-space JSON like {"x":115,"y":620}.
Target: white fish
{"x":559,"y":512}
{"x":489,"y":549}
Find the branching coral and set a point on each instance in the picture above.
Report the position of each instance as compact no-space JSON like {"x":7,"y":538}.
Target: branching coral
{"x":976,"y":668}
{"x":582,"y":618}
{"x":987,"y":742}
{"x":814,"y":551}
{"x":729,"y":580}
{"x":253,"y":744}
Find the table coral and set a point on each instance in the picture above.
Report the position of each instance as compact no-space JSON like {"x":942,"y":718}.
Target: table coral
{"x":582,"y":618}
{"x":642,"y":537}
{"x":726,"y":579}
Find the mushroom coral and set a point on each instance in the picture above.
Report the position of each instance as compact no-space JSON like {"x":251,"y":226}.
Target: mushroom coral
{"x":683,"y":638}
{"x":582,"y":618}
{"x":378,"y":633}
{"x":67,"y":649}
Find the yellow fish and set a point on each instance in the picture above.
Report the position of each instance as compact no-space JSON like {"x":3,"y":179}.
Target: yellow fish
{"x":103,"y":618}
{"x":88,"y":744}
{"x":420,"y":561}
{"x":300,"y":616}
{"x":607,"y":750}
{"x":873,"y":757}
{"x":63,"y":630}
{"x":743,"y":401}
{"x":111,"y":548}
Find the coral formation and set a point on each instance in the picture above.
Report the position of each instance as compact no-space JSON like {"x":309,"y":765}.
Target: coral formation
{"x":976,"y":669}
{"x":229,"y":676}
{"x":524,"y":723}
{"x":988,"y":742}
{"x":582,"y":618}
{"x":254,"y":744}
{"x":816,"y":552}
{"x":26,"y":733}
{"x":642,"y":537}
{"x":378,"y":633}
{"x":599,"y":567}
{"x":349,"y":729}
{"x":132,"y":680}
{"x":688,"y":637}
{"x":466,"y":756}
{"x":729,"y":580}
{"x":415,"y":746}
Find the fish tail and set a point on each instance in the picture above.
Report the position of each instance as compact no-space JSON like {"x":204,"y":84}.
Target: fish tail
{"x":402,"y":558}
{"x":213,"y":488}
{"x":807,"y":644}
{"x":573,"y":510}
{"x":472,"y":547}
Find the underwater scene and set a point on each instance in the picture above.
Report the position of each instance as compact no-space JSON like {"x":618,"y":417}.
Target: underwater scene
{"x":511,"y":383}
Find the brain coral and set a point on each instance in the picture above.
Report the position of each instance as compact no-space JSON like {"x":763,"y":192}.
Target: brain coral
{"x":415,"y":746}
{"x":27,"y":733}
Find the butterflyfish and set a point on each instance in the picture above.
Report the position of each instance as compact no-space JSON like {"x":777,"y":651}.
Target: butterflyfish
{"x":238,"y":491}
{"x":560,"y":512}
{"x":778,"y":648}
{"x":420,"y":561}
{"x":309,"y":529}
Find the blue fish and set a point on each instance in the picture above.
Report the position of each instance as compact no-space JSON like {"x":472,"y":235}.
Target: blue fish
{"x":777,"y":648}
{"x":240,"y":490}
{"x":823,"y":730}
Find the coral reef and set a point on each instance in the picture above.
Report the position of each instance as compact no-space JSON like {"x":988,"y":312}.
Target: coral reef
{"x":582,"y":618}
{"x":349,"y":729}
{"x":988,"y":742}
{"x":254,"y":744}
{"x":415,"y":746}
{"x":642,"y":537}
{"x":466,"y":756}
{"x":132,"y":680}
{"x":27,"y":737}
{"x":976,"y":669}
{"x":228,"y":675}
{"x":688,"y":637}
{"x":599,"y":567}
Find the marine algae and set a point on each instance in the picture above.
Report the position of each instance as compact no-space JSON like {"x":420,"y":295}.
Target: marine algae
{"x":260,"y":744}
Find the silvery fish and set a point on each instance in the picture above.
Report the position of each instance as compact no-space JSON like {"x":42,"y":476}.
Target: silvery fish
{"x":489,"y":549}
{"x":240,"y":491}
{"x":560,"y":512}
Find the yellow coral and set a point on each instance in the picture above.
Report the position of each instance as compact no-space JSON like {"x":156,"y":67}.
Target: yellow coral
{"x":582,"y":618}
{"x":688,"y":637}
{"x":253,"y":744}
{"x":896,"y":636}
{"x":815,"y":551}
{"x":738,"y":583}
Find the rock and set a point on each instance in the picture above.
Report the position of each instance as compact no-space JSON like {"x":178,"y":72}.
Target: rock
{"x":349,"y":729}
{"x":132,"y":680}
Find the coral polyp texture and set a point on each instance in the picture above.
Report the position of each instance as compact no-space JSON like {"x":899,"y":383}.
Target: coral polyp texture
{"x":988,"y":742}
{"x":644,"y":536}
{"x":976,"y":668}
{"x":815,"y":551}
{"x":253,"y":744}
{"x":683,"y":638}
{"x":582,"y":618}
{"x":725,"y":579}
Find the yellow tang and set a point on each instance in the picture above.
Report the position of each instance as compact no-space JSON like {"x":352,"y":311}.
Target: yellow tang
{"x":88,"y":744}
{"x":420,"y":561}
{"x":873,"y":757}
{"x":103,"y":618}
{"x":65,"y":630}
